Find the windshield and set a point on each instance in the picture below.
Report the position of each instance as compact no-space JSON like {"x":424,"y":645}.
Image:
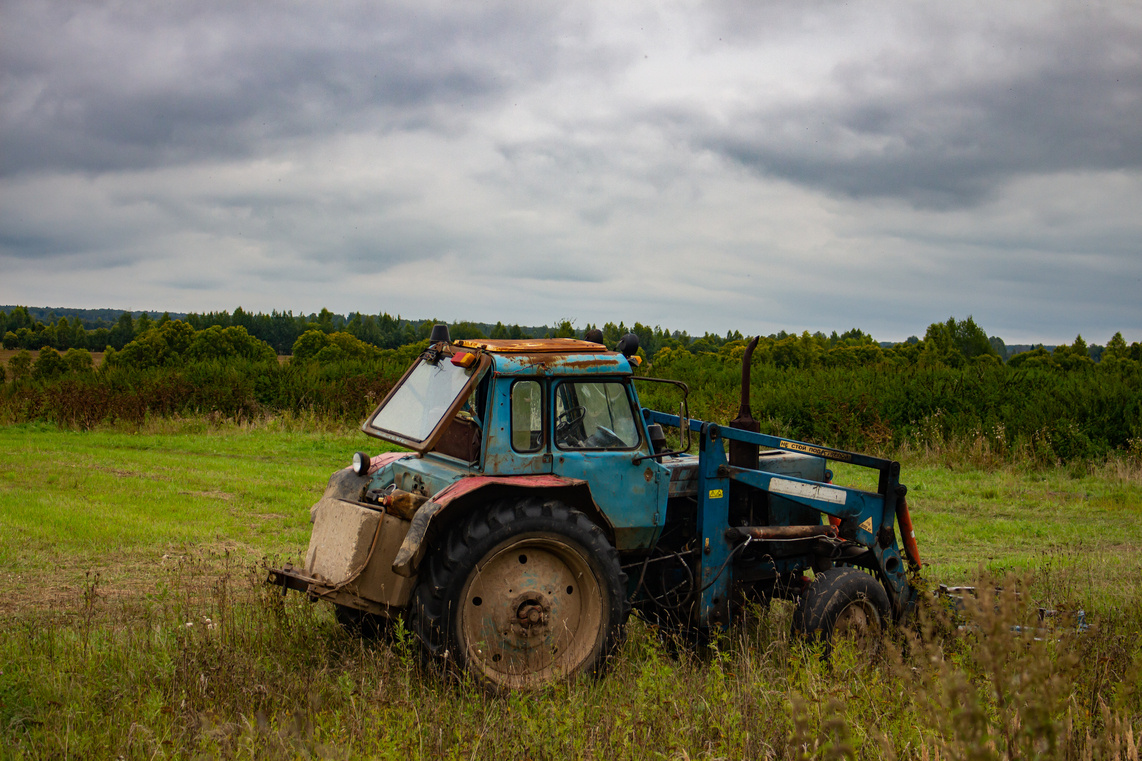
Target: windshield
{"x":418,"y":405}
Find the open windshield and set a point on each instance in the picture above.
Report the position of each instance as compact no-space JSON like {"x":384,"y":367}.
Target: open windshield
{"x":417,"y":407}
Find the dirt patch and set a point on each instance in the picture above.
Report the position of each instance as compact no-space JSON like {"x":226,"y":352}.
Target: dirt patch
{"x":150,"y":474}
{"x":65,"y":585}
{"x":224,"y":496}
{"x":115,"y":471}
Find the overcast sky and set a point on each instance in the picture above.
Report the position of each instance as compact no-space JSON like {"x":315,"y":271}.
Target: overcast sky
{"x":746,"y":165}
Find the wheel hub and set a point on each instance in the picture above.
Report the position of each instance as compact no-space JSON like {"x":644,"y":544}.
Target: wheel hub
{"x":531,"y":610}
{"x":532,"y":616}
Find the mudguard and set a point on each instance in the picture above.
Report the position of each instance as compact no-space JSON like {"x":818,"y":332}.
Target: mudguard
{"x":412,"y":550}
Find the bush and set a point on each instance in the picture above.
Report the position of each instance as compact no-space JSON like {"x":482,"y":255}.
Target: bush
{"x":79,"y":361}
{"x":20,"y":365}
{"x":156,"y":347}
{"x":234,"y":342}
{"x":327,"y":348}
{"x":49,"y":365}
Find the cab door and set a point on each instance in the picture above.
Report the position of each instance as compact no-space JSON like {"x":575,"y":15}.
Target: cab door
{"x":596,"y":434}
{"x":517,"y":442}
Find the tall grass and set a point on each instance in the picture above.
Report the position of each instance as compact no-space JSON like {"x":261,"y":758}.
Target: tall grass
{"x":213,"y":664}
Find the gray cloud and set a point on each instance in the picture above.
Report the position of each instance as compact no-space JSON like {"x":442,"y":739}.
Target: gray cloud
{"x":97,"y":88}
{"x":946,"y":123}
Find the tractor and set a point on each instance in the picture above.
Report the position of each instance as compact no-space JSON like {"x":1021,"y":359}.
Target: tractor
{"x":534,"y":503}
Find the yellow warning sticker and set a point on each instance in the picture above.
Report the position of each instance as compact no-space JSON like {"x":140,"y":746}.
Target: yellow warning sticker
{"x":715,"y":493}
{"x":797,"y":446}
{"x":867,"y":525}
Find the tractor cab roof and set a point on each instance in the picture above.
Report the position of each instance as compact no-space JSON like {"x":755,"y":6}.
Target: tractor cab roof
{"x":549,"y":356}
{"x":531,"y":345}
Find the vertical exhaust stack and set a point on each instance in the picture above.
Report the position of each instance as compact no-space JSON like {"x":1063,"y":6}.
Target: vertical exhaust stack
{"x":742,"y":454}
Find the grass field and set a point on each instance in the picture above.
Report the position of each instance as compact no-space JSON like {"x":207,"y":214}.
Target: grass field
{"x":134,"y":625}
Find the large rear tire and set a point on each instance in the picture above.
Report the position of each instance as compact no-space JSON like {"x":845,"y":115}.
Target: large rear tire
{"x":522,"y":594}
{"x":843,"y":602}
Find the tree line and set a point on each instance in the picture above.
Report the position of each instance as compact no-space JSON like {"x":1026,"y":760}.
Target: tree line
{"x":951,"y":343}
{"x":22,"y":328}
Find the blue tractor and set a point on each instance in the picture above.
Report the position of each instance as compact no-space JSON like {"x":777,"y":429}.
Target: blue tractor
{"x":537,"y":502}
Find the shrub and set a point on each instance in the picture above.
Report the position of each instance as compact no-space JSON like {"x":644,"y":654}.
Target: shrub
{"x":234,"y":342}
{"x":326,"y":348}
{"x":156,"y":347}
{"x":20,"y":365}
{"x":79,"y":361}
{"x":49,"y":365}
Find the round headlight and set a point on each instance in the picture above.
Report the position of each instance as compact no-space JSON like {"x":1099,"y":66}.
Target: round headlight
{"x":361,"y":463}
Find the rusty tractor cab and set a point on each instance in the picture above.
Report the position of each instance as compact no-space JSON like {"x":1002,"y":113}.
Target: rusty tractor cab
{"x":536,"y":502}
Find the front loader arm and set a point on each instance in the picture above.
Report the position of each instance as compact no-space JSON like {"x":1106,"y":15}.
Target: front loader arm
{"x":866,"y":518}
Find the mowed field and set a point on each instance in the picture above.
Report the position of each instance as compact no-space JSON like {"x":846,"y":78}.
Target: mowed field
{"x":133,"y":622}
{"x":124,"y":504}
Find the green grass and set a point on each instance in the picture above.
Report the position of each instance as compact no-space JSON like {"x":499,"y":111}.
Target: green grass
{"x":1083,"y":522}
{"x":1023,"y":519}
{"x":136,"y":625}
{"x":122,"y":503}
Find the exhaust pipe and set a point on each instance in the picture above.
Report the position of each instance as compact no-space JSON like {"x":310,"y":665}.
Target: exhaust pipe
{"x":744,"y":454}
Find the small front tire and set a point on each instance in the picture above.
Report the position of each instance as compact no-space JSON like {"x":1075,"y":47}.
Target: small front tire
{"x":843,"y":602}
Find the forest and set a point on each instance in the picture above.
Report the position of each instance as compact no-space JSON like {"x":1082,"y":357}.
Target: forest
{"x":1074,"y":402}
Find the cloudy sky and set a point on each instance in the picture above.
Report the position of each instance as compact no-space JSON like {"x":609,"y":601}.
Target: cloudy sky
{"x":742,"y":165}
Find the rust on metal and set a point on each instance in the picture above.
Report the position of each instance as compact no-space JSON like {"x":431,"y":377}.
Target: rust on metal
{"x":413,"y":547}
{"x":742,"y":453}
{"x":533,"y":610}
{"x":531,"y":345}
{"x":765,"y":533}
{"x":908,"y":534}
{"x":472,"y":483}
{"x":288,"y":577}
{"x":376,"y":462}
{"x":403,"y":504}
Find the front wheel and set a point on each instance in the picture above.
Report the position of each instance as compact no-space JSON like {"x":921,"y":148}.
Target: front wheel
{"x":525,"y":593}
{"x":843,"y":603}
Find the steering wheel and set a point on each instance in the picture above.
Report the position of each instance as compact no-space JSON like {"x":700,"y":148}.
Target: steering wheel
{"x":567,"y":418}
{"x":605,"y":437}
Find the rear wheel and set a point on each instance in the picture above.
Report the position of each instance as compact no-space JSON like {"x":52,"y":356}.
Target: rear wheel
{"x":843,"y":603}
{"x":525,"y":593}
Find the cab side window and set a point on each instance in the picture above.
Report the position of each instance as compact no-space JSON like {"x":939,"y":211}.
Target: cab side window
{"x":527,"y":416}
{"x":594,"y":415}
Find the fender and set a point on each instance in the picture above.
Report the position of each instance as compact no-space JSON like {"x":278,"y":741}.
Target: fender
{"x":412,"y":550}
